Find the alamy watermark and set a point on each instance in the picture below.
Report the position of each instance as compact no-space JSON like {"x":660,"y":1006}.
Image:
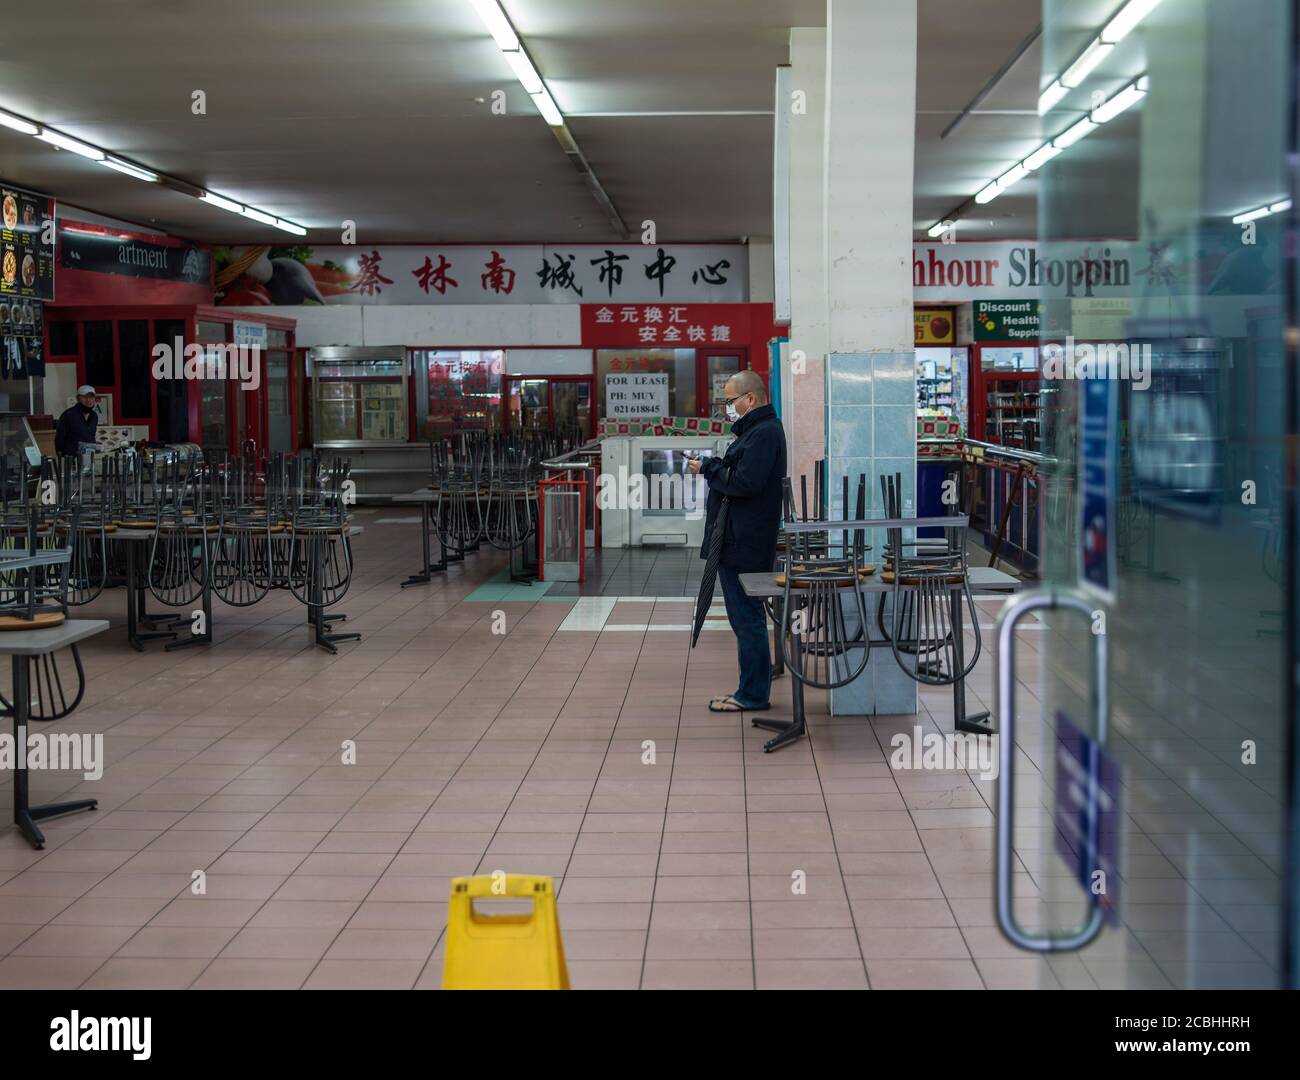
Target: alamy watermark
{"x":1105,"y":360}
{"x":239,"y":363}
{"x":916,"y":750}
{"x":63,"y":751}
{"x":667,"y":492}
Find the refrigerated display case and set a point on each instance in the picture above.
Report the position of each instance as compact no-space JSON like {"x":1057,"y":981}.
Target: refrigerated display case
{"x":361,"y":408}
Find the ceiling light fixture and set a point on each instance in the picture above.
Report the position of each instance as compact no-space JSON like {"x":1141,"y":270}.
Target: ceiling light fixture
{"x":1261,"y":212}
{"x":126,"y":167}
{"x":524,"y":71}
{"x":26,"y":127}
{"x":1074,"y":133}
{"x":260,"y":215}
{"x":138,"y":172}
{"x":1041,"y":156}
{"x":67,"y":142}
{"x":1048,"y":98}
{"x":1117,"y":103}
{"x":1094,"y":54}
{"x":222,"y":202}
{"x":1106,"y":111}
{"x":1129,"y":16}
{"x":497,"y":23}
{"x":508,"y":41}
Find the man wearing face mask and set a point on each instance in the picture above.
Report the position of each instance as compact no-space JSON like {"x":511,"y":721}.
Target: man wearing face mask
{"x":749,"y":476}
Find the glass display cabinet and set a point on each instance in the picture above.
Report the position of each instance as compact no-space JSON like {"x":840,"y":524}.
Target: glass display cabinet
{"x":361,"y":410}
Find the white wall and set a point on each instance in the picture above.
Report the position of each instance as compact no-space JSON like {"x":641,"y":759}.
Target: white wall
{"x":548,"y":362}
{"x":762,"y":284}
{"x":449,"y":326}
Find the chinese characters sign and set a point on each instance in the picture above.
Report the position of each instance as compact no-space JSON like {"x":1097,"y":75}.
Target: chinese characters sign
{"x":509,"y":274}
{"x":685,"y":326}
{"x":644,"y":394}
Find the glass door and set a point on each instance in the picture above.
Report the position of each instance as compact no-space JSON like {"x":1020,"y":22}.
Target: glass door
{"x":1145,"y":797}
{"x":560,"y":404}
{"x":715,"y":368}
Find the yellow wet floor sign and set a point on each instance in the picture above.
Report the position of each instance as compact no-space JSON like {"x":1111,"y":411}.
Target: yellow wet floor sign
{"x":517,"y":951}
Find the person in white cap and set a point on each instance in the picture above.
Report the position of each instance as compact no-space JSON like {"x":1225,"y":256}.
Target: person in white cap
{"x":77,"y":424}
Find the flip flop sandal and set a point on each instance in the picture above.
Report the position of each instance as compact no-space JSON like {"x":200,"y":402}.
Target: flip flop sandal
{"x":730,"y":704}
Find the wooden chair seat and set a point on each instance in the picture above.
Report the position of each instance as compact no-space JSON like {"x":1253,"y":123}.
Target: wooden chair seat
{"x":42,"y":620}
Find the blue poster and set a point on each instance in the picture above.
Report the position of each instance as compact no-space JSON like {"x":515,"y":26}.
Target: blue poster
{"x":1088,"y":818}
{"x":1098,"y":497}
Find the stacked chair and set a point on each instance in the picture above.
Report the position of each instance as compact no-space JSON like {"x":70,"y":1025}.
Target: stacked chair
{"x":822,"y":617}
{"x":239,"y":526}
{"x":918,"y":623}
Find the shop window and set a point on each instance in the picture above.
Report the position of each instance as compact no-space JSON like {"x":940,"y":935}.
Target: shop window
{"x":277,"y":339}
{"x":677,"y":364}
{"x":212,"y":331}
{"x":99,"y":353}
{"x":464,"y":386}
{"x":277,"y":400}
{"x":173,"y":394}
{"x":137,"y":379}
{"x":63,"y":338}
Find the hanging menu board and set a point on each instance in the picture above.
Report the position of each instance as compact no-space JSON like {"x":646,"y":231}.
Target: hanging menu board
{"x":26,"y":244}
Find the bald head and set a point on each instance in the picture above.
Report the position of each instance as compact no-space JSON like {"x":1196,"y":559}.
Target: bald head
{"x":747,"y":382}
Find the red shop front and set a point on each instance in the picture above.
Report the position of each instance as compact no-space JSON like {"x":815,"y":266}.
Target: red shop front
{"x":120,"y":295}
{"x":697,"y":346}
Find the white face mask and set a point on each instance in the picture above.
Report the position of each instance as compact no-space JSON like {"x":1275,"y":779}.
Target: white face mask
{"x":732,"y":415}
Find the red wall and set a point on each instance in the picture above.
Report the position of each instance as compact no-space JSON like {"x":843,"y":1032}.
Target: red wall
{"x":89,"y":287}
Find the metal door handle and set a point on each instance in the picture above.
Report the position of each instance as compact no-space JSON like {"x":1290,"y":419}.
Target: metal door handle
{"x":1012,"y":612}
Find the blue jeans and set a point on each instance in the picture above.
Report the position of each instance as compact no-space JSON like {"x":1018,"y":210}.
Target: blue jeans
{"x":749,"y":623}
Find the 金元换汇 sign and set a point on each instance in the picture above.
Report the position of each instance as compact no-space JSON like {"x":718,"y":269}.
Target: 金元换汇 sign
{"x":672,"y":326}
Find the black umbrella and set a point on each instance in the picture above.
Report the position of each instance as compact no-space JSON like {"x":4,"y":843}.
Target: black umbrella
{"x":710,"y":576}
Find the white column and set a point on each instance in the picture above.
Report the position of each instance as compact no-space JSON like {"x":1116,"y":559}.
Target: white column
{"x":805,"y":372}
{"x":870,"y":356}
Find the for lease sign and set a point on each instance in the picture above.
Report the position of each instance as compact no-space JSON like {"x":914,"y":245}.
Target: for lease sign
{"x":637,"y":394}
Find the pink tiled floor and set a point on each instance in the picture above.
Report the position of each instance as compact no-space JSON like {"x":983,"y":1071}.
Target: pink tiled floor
{"x":478,"y":752}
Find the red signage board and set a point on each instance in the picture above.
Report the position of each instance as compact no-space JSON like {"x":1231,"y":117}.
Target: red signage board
{"x":665,"y":326}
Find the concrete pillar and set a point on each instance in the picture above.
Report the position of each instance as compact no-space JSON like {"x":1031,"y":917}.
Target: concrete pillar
{"x":870,"y":412}
{"x":803,"y":368}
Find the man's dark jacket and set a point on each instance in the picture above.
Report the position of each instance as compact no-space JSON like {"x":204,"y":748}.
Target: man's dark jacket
{"x":76,"y":425}
{"x":750,"y":475}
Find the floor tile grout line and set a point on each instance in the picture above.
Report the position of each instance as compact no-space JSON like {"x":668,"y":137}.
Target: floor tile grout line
{"x":844,"y":885}
{"x":663,"y":828}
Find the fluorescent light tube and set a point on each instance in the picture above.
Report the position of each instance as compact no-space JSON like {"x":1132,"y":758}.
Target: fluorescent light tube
{"x":130,"y":170}
{"x":1116,"y":104}
{"x":67,"y":142}
{"x":290,"y":227}
{"x":259,"y":215}
{"x":547,"y":107}
{"x":939,"y":228}
{"x":1093,"y":55}
{"x":1129,"y":16}
{"x":9,"y":120}
{"x":1041,"y":156}
{"x":1278,"y":207}
{"x":989,"y":193}
{"x":524,"y":71}
{"x":222,"y":202}
{"x":1072,"y":135}
{"x":1016,"y":172}
{"x":497,"y":23}
{"x":1048,"y":98}
{"x":1250,"y":215}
